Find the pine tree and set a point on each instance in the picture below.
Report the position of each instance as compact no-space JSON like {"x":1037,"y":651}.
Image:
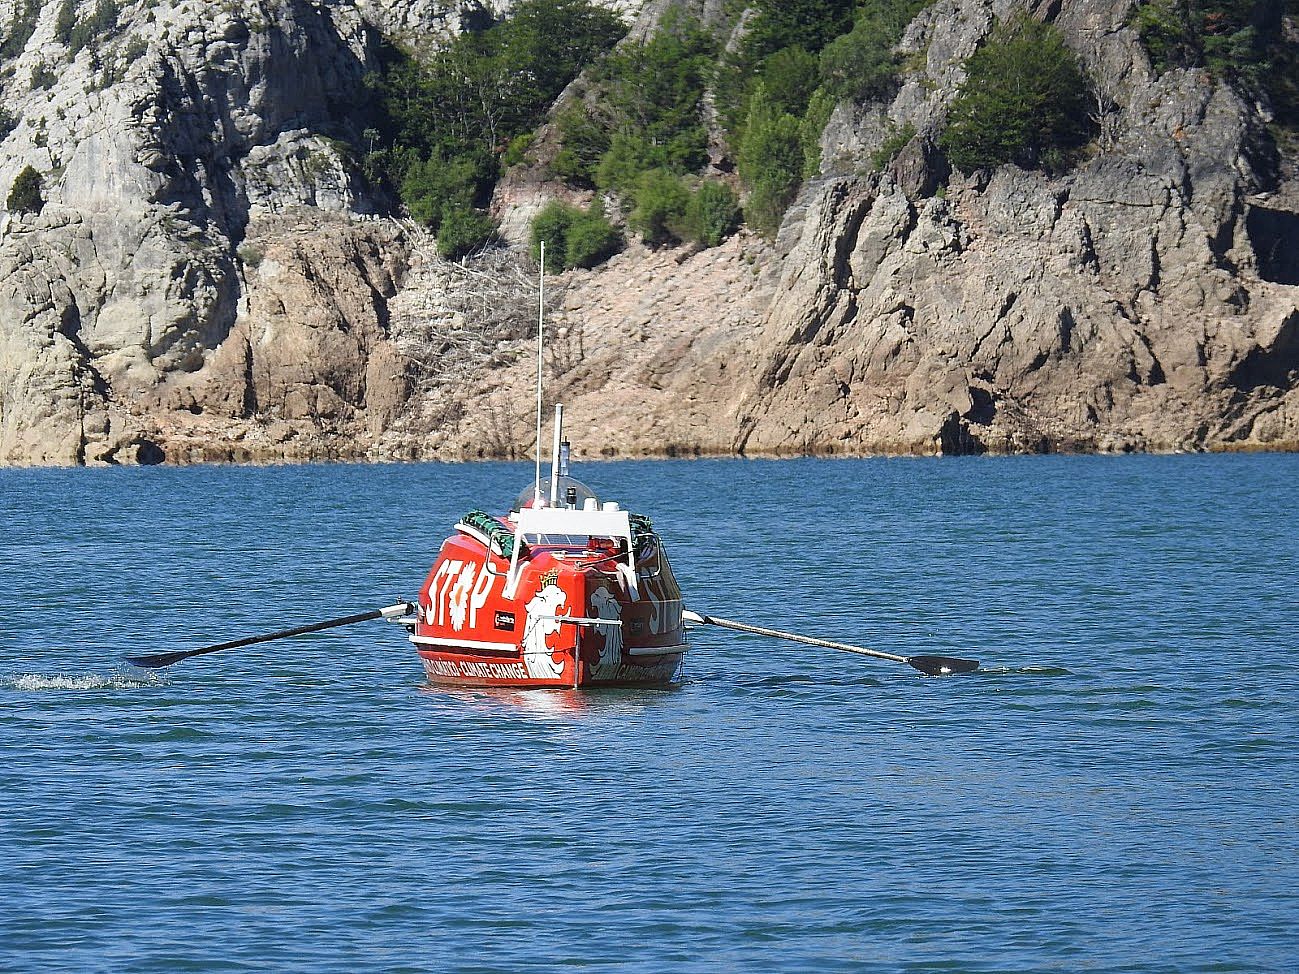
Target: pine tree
{"x":771,"y":162}
{"x":25,"y":196}
{"x":1024,"y":101}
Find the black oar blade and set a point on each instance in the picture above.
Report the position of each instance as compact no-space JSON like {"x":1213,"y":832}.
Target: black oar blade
{"x":157,"y":660}
{"x":942,"y":665}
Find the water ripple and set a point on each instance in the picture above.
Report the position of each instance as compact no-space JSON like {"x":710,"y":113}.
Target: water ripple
{"x":1111,"y":791}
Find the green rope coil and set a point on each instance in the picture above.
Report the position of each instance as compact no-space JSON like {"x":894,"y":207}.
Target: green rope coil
{"x":499,"y":536}
{"x":502,"y":538}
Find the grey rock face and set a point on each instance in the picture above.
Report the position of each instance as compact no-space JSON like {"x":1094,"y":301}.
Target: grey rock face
{"x":1123,"y":306}
{"x":179,"y":152}
{"x":208,"y":281}
{"x":158,"y":144}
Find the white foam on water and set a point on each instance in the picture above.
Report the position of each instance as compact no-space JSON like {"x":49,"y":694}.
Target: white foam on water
{"x":79,"y":681}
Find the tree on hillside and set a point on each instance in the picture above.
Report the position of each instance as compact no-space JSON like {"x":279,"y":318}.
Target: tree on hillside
{"x":442,"y":126}
{"x":1244,"y":42}
{"x":771,"y":162}
{"x":804,"y":56}
{"x":644,"y":110}
{"x":22,"y":24}
{"x":1025,"y":100}
{"x":574,"y":237}
{"x":25,"y":196}
{"x":489,"y":86}
{"x":713,"y":213}
{"x":790,"y":76}
{"x":779,"y":26}
{"x":809,"y":24}
{"x":662,"y":200}
{"x":65,"y":20}
{"x":861,"y":65}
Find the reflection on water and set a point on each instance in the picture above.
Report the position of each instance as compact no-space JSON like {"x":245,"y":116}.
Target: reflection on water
{"x":489,"y":701}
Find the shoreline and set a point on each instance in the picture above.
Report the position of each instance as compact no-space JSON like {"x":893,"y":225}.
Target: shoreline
{"x":358,"y":460}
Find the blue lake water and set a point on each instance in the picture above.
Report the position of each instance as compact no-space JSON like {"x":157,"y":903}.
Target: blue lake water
{"x":1114,"y":791}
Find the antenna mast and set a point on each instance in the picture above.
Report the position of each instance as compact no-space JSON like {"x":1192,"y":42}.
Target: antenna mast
{"x":541,"y":324}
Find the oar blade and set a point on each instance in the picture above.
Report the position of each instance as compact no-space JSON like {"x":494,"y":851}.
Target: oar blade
{"x":942,"y":665}
{"x":157,"y":660}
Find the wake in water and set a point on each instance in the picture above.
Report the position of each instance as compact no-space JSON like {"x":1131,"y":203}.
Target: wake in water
{"x":803,"y":680}
{"x":1024,"y":671}
{"x":117,"y":680}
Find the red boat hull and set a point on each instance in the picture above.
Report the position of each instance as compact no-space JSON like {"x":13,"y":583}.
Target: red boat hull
{"x":575,"y":618}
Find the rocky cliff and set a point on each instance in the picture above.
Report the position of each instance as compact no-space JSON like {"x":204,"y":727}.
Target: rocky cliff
{"x":210,"y":278}
{"x":1141,"y":302}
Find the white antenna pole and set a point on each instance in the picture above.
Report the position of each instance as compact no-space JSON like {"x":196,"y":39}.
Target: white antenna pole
{"x":541,"y":324}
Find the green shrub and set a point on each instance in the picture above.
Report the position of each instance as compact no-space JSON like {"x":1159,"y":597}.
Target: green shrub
{"x":1024,"y":101}
{"x":135,"y":49}
{"x":431,"y":186}
{"x":645,"y":105}
{"x":771,"y":160}
{"x":629,"y":155}
{"x":462,"y":230}
{"x":585,"y":141}
{"x":8,"y":122}
{"x":661,"y":201}
{"x":574,"y":237}
{"x":713,"y":213}
{"x":768,"y":200}
{"x":251,"y":255}
{"x":591,"y":239}
{"x":517,"y":152}
{"x":43,"y":77}
{"x":25,"y":195}
{"x":551,"y":227}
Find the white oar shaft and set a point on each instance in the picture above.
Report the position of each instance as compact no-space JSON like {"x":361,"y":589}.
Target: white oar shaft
{"x":792,"y":636}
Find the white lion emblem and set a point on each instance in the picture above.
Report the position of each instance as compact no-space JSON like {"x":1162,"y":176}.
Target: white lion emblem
{"x":537,"y":656}
{"x":606,"y":606}
{"x":459,"y":597}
